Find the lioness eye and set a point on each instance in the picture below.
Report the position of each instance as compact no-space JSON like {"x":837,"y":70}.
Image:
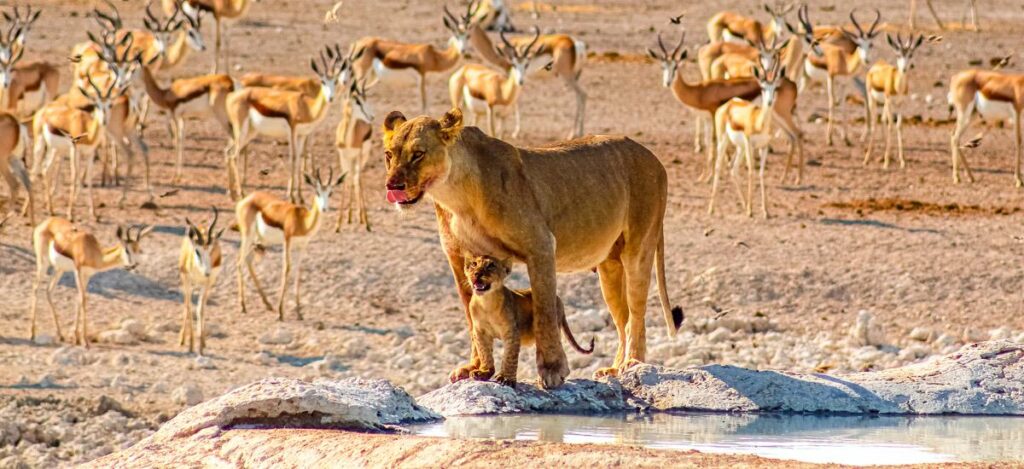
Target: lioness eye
{"x":416,"y":156}
{"x":388,"y":156}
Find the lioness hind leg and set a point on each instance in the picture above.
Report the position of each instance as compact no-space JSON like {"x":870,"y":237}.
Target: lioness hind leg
{"x":638,"y":281}
{"x":613,"y":288}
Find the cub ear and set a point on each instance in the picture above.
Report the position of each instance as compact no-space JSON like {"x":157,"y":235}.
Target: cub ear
{"x":451,"y":125}
{"x":391,"y":123}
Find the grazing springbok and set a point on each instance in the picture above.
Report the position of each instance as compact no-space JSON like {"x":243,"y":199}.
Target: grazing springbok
{"x":63,"y":127}
{"x":202,"y":96}
{"x":748,"y":127}
{"x":264,"y":220}
{"x":399,"y":62}
{"x":828,"y":62}
{"x":482,"y":90}
{"x":281,"y":114}
{"x":733,"y":27}
{"x":65,"y":247}
{"x":199,"y":265}
{"x":352,"y":139}
{"x":558,"y":55}
{"x":14,"y":142}
{"x":997,"y":96}
{"x":888,"y":85}
{"x":222,"y":11}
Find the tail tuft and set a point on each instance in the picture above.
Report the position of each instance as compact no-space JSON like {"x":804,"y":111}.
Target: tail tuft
{"x":677,"y":317}
{"x":591,"y":349}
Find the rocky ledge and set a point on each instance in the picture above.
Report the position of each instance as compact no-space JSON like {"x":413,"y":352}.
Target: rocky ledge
{"x":985,"y":378}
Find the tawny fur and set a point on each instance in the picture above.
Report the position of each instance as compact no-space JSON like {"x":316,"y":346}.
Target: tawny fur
{"x":995,"y":90}
{"x":569,"y":207}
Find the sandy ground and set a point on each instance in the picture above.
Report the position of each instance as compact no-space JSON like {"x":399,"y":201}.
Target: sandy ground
{"x":905,"y":247}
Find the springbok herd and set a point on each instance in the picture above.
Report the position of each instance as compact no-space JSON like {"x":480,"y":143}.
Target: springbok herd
{"x":752,"y":74}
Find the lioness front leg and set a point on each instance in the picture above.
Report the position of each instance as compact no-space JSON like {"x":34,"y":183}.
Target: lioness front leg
{"x":552,"y":365}
{"x":456,"y":262}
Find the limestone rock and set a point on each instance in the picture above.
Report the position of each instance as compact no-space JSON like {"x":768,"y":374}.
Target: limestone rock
{"x":470,"y":397}
{"x":865,"y":331}
{"x":278,"y":336}
{"x":188,"y":395}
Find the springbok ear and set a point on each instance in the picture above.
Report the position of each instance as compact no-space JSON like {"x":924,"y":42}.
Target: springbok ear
{"x":684,"y":55}
{"x":120,"y":232}
{"x":309,"y":180}
{"x":451,"y":125}
{"x":341,"y":179}
{"x":391,"y":123}
{"x":220,"y":233}
{"x":652,"y":54}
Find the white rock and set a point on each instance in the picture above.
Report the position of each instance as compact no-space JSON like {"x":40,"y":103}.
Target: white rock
{"x":45,"y":339}
{"x":945,"y":341}
{"x":404,"y":362}
{"x":188,"y":395}
{"x":265,"y":359}
{"x":921,"y":334}
{"x":117,"y":336}
{"x":203,"y":363}
{"x":1002,"y":333}
{"x":914,"y":352}
{"x":134,"y":327}
{"x":972,"y":335}
{"x":865,"y":331}
{"x":279,"y":336}
{"x":120,"y":359}
{"x":67,"y":356}
{"x":719,"y":335}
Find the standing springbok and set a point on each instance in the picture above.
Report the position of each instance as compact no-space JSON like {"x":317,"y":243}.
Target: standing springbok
{"x":198,"y":264}
{"x":398,"y":62}
{"x":60,"y":126}
{"x":21,"y":23}
{"x":352,"y":139}
{"x":733,"y":27}
{"x":26,"y":87}
{"x":706,"y":97}
{"x":748,"y":127}
{"x":223,"y":11}
{"x":14,"y":142}
{"x":997,"y":96}
{"x":202,"y":96}
{"x":887,"y":85}
{"x":558,"y":55}
{"x":282,"y":114}
{"x":265,"y":220}
{"x":971,"y":4}
{"x":482,"y":90}
{"x":65,"y":247}
{"x":828,"y":62}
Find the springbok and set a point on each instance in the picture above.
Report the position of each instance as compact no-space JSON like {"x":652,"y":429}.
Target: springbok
{"x":26,"y":87}
{"x":707,"y":96}
{"x":222,"y":11}
{"x":202,"y":96}
{"x":733,"y":27}
{"x":560,"y":55}
{"x":997,"y":96}
{"x":290,"y":115}
{"x":265,"y":220}
{"x":14,"y":142}
{"x":482,"y":90}
{"x":65,"y":247}
{"x":392,"y":61}
{"x":742,"y":64}
{"x":887,"y":85}
{"x":198,"y":264}
{"x":493,"y":15}
{"x":21,"y":23}
{"x":748,"y":127}
{"x":827,"y":61}
{"x":60,"y":126}
{"x":352,"y":139}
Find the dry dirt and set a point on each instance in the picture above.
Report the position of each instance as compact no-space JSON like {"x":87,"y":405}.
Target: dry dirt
{"x":906,"y":248}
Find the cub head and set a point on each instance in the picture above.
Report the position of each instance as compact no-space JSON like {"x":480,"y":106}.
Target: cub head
{"x":416,"y":154}
{"x":485,"y":273}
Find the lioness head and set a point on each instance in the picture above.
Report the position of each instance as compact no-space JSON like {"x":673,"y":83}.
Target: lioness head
{"x":485,"y":273}
{"x":416,"y":154}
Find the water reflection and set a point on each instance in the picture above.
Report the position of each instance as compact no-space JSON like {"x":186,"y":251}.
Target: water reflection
{"x":812,"y":438}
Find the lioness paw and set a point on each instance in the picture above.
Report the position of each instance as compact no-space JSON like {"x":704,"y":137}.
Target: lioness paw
{"x":606,"y":372}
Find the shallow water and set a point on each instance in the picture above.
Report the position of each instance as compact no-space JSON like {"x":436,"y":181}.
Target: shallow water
{"x":811,"y":438}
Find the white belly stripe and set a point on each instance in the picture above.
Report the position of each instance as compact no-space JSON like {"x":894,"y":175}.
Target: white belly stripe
{"x":993,"y":110}
{"x":268,"y":234}
{"x":269,"y":126}
{"x":59,"y":261}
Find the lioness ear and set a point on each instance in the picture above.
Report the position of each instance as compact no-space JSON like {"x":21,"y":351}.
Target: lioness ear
{"x":451,"y":125}
{"x":391,"y":122}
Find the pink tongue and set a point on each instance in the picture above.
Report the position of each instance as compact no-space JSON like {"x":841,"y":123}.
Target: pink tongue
{"x":395,"y":197}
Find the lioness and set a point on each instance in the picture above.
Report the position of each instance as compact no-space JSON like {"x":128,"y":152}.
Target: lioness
{"x":502,"y":313}
{"x":567,"y":207}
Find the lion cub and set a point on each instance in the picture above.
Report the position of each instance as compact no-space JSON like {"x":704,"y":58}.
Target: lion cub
{"x":501,"y":313}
